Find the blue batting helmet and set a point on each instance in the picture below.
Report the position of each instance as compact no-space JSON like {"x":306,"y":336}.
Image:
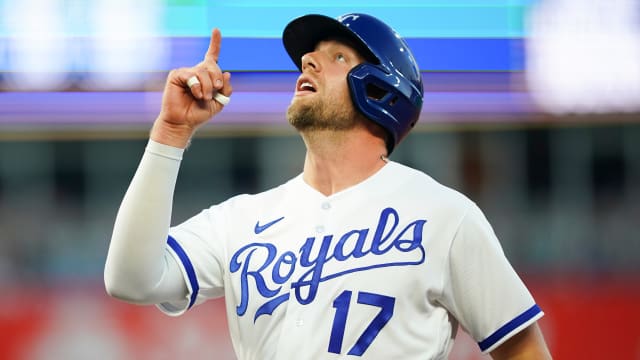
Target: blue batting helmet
{"x":387,"y":88}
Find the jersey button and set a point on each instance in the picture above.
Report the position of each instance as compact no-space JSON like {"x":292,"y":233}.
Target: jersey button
{"x":326,"y":205}
{"x":319,"y":229}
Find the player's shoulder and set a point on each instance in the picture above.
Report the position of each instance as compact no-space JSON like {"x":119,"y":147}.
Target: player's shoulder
{"x":420,"y":184}
{"x":270,"y":198}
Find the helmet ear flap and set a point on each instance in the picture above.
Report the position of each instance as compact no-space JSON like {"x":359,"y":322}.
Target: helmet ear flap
{"x":385,"y":98}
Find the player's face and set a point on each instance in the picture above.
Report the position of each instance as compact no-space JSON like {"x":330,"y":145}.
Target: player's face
{"x":322,"y":100}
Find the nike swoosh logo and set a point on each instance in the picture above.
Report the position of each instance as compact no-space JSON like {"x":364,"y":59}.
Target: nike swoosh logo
{"x":260,"y":228}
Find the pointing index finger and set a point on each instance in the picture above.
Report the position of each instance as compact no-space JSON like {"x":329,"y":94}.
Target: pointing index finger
{"x":214,"y":46}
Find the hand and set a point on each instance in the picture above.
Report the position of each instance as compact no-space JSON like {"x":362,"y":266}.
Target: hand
{"x":185,"y":108}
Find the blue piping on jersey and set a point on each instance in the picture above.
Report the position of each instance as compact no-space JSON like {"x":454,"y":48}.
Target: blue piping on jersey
{"x":508,"y":327}
{"x":188,"y":267}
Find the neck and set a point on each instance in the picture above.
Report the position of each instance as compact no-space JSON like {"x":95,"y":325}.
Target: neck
{"x":337,"y":160}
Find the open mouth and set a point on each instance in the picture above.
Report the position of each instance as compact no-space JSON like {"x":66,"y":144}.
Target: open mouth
{"x":305,"y":86}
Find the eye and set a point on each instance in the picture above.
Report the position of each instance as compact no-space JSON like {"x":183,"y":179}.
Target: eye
{"x":340,"y":57}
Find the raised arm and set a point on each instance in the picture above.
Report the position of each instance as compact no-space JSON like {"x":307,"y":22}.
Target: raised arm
{"x":138,"y":269}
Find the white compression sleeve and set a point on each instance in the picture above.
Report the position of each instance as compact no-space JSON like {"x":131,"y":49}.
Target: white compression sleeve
{"x":138,"y":269}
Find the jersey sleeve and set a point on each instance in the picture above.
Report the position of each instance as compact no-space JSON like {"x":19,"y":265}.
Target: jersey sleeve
{"x":197,"y":246}
{"x":483,"y":291}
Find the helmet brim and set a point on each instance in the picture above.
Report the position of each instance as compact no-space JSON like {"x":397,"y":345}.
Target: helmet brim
{"x":302,"y":35}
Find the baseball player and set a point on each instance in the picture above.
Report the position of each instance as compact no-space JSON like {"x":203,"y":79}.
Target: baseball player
{"x":356,"y":257}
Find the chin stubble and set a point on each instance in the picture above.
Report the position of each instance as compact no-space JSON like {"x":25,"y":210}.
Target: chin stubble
{"x":305,"y":117}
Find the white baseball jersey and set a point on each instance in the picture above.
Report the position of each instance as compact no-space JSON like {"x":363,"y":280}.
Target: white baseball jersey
{"x":386,"y":269}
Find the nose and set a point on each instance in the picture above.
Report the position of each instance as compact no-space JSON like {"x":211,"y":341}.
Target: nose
{"x":310,"y":62}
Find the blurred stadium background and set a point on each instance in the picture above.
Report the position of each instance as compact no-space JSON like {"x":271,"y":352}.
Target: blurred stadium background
{"x":532,"y":109}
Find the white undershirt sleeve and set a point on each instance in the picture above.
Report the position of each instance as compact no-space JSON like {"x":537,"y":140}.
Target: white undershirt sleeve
{"x":138,"y":268}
